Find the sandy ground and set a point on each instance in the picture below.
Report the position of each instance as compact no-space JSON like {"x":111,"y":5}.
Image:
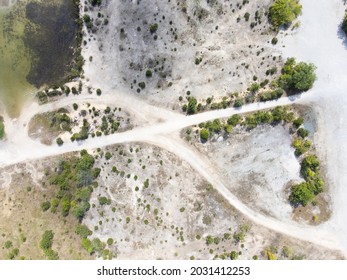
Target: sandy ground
{"x":319,"y":40}
{"x":241,"y":160}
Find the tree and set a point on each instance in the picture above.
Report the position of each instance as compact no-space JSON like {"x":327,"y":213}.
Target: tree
{"x":283,"y":12}
{"x":344,"y":24}
{"x":204,"y":134}
{"x":297,"y":76}
{"x":192,"y":103}
{"x":301,"y":194}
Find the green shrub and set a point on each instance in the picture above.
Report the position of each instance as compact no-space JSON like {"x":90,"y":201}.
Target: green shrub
{"x":283,"y":12}
{"x":47,"y":240}
{"x":239,"y":103}
{"x":303,"y":133}
{"x":309,"y":167}
{"x":153,"y":27}
{"x":98,"y":91}
{"x":45,"y":205}
{"x":234,"y":120}
{"x":298,"y":122}
{"x":60,"y":141}
{"x":104,"y":200}
{"x":204,"y":135}
{"x":83,"y":231}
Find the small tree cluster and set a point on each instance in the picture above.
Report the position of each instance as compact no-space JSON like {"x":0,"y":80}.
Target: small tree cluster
{"x":297,"y":77}
{"x":284,"y":12}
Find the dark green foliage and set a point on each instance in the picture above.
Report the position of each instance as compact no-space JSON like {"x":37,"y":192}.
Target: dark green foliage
{"x":148,"y":73}
{"x":274,"y":41}
{"x":344,"y":24}
{"x":95,"y":2}
{"x":303,"y":133}
{"x":2,"y":128}
{"x":142,"y":85}
{"x":234,"y":120}
{"x":297,"y":76}
{"x":98,"y":91}
{"x":75,"y":106}
{"x":108,"y":155}
{"x":104,"y":200}
{"x":60,"y":141}
{"x":246,"y":16}
{"x":153,"y":27}
{"x":298,"y":122}
{"x":254,"y":87}
{"x":45,"y":205}
{"x":309,"y":167}
{"x":47,"y":240}
{"x":88,"y":21}
{"x":192,"y":103}
{"x":239,"y":103}
{"x":283,"y":12}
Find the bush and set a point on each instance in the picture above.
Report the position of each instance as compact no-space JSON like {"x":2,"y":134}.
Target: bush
{"x":234,"y":120}
{"x":274,"y":41}
{"x":60,"y":141}
{"x":149,"y":73}
{"x":153,"y":27}
{"x":238,"y":103}
{"x":204,"y":135}
{"x":83,"y":231}
{"x":98,"y":91}
{"x":104,"y":200}
{"x":47,"y":240}
{"x":298,"y":122}
{"x":309,"y":167}
{"x":283,"y":12}
{"x":45,"y":205}
{"x":303,"y":133}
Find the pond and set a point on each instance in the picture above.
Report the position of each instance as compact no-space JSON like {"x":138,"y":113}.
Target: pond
{"x":37,"y":43}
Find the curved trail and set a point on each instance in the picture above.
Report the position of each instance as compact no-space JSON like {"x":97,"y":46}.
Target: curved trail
{"x":319,"y":17}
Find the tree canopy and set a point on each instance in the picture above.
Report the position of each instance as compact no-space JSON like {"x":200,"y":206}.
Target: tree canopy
{"x":283,"y":12}
{"x":297,"y":76}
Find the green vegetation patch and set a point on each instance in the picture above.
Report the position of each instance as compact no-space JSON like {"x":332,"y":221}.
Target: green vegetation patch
{"x":297,"y":77}
{"x":2,"y":128}
{"x":284,"y":12}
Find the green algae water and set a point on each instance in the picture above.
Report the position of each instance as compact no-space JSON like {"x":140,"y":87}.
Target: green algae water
{"x":15,"y":62}
{"x":37,"y":43}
